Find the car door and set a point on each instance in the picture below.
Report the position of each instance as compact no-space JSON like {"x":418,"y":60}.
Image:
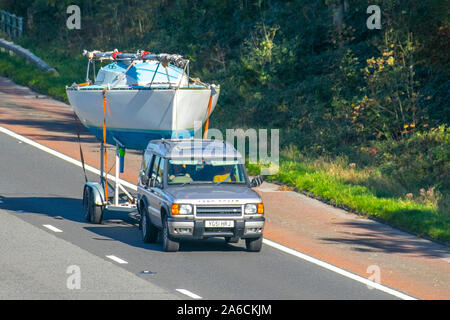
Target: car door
{"x":154,"y":191}
{"x":143,"y":178}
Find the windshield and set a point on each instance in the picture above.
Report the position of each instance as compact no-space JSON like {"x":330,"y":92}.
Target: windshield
{"x":205,"y":171}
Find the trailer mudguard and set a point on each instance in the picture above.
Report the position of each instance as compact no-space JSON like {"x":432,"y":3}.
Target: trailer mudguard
{"x":99,"y":193}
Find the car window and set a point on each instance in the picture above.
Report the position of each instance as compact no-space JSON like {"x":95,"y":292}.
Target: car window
{"x":182,"y":171}
{"x":160,"y":175}
{"x":146,"y":161}
{"x":154,"y":170}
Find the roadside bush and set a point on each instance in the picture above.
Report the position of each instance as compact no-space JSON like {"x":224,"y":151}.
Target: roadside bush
{"x":421,"y":160}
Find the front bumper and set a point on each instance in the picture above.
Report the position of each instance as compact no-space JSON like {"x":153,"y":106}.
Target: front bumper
{"x":180,"y":228}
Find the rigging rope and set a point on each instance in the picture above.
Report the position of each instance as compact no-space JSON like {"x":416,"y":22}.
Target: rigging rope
{"x":79,"y":143}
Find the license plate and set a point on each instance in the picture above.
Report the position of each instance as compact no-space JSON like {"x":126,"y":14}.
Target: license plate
{"x":219,"y":224}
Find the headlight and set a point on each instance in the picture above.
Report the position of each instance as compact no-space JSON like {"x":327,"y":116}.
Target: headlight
{"x":254,"y":208}
{"x":250,"y":208}
{"x":181,"y":209}
{"x":185,"y":209}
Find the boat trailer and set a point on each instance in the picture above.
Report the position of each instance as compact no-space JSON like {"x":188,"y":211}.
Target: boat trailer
{"x":96,"y":194}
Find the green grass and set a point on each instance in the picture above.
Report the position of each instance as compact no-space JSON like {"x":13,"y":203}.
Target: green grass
{"x":422,"y":219}
{"x":17,"y":69}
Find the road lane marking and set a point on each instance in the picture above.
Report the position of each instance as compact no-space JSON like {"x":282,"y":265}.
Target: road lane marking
{"x":117,"y":259}
{"x":50,"y":227}
{"x":338,"y":270}
{"x":63,"y":156}
{"x":189,"y":294}
{"x":273,"y":244}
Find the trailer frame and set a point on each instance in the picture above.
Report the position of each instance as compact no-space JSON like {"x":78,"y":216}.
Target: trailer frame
{"x":95,"y":201}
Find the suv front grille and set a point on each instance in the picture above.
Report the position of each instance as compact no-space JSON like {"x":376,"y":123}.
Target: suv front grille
{"x":215,"y":211}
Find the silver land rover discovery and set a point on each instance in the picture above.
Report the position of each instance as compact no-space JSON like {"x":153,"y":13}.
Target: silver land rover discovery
{"x":197,"y":189}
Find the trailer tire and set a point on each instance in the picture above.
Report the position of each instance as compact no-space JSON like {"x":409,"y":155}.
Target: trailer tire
{"x":96,"y":211}
{"x":97,"y":214}
{"x":86,"y":206}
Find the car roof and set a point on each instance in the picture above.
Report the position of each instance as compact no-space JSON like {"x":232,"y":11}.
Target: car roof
{"x":193,"y":148}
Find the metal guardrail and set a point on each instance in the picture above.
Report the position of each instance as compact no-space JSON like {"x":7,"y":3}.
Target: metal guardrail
{"x":11,"y":24}
{"x":25,"y":53}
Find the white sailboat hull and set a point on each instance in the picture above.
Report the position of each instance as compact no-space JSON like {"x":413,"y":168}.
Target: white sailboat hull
{"x":136,"y":116}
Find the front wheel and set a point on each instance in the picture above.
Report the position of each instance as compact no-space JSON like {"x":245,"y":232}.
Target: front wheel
{"x":231,"y":239}
{"x":254,"y":244}
{"x":149,"y":231}
{"x":168,"y":244}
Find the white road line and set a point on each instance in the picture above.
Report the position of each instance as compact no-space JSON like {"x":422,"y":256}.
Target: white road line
{"x":63,"y":156}
{"x":189,"y":294}
{"x":266,"y":241}
{"x":338,"y":270}
{"x":50,"y":227}
{"x":117,"y":259}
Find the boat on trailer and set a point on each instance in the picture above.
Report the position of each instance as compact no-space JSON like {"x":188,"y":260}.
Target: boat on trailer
{"x":148,"y":96}
{"x":136,"y":98}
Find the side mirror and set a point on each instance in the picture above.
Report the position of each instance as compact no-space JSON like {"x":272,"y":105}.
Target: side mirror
{"x":158,"y":184}
{"x":256,"y":181}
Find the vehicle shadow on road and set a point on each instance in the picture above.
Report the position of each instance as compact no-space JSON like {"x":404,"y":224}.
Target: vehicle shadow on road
{"x":119,"y":226}
{"x":116,"y":225}
{"x":55,"y":207}
{"x":376,"y":237}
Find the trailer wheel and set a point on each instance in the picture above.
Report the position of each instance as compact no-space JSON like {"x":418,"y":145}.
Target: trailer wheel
{"x":86,"y":206}
{"x":96,"y":212}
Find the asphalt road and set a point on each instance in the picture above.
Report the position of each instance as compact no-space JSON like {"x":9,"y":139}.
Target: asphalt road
{"x":39,"y":191}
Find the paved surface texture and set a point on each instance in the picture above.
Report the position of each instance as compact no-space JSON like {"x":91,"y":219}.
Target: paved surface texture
{"x":415,"y":266}
{"x":39,"y":265}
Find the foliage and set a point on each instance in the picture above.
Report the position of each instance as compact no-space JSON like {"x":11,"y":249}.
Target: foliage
{"x":421,"y":160}
{"x":335,"y":184}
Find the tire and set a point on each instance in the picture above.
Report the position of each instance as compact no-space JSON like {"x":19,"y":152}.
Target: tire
{"x":86,"y":207}
{"x":168,"y":244}
{"x":254,"y":244}
{"x":148,"y":230}
{"x":231,"y":239}
{"x":96,"y":212}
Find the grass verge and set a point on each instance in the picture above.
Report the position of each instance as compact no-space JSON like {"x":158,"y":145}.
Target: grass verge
{"x":338,"y":186}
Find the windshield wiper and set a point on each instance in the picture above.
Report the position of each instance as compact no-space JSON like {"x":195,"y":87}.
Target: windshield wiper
{"x":194,"y":182}
{"x":230,"y":182}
